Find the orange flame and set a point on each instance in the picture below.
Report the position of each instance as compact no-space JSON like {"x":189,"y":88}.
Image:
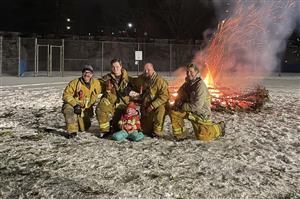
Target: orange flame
{"x":209,"y":81}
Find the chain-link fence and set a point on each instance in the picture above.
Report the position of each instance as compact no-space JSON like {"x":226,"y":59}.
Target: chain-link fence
{"x":1,"y":38}
{"x":59,"y":57}
{"x":9,"y":56}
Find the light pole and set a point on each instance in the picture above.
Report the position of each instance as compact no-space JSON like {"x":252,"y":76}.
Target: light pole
{"x":68,"y":25}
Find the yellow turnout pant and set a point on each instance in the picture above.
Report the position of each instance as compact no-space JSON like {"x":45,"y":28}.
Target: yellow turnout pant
{"x":204,"y":129}
{"x":153,"y":122}
{"x":107,"y":112}
{"x":75,"y":122}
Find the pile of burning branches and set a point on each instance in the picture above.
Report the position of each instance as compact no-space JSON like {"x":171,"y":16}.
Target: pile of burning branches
{"x":227,"y":100}
{"x":252,"y":100}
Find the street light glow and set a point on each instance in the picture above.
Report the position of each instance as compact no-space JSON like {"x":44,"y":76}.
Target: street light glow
{"x":129,"y":25}
{"x":68,"y":27}
{"x":68,"y":19}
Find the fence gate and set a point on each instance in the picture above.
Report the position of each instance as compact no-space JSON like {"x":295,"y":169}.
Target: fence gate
{"x":42,"y":60}
{"x":56,"y":60}
{"x":48,"y":60}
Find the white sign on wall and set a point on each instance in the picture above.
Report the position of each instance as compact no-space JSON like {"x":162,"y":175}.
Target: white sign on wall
{"x":138,"y":55}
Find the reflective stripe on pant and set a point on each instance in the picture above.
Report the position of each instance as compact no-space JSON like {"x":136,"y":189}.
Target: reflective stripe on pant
{"x":177,"y":121}
{"x":153,"y":122}
{"x":106,"y":112}
{"x":72,"y":120}
{"x":204,"y":129}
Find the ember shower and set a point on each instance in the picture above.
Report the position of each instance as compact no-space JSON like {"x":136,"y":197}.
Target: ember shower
{"x":248,"y":41}
{"x":244,"y":49}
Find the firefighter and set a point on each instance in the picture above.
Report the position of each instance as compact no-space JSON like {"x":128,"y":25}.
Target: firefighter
{"x":154,"y":98}
{"x":114,"y":100}
{"x":79,"y":97}
{"x":193,"y":103}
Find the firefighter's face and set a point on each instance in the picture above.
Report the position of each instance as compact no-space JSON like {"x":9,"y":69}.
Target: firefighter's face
{"x":116,"y":68}
{"x":191,"y":73}
{"x":87,"y":75}
{"x":148,"y":70}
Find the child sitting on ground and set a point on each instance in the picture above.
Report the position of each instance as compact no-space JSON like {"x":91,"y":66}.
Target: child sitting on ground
{"x":129,"y":125}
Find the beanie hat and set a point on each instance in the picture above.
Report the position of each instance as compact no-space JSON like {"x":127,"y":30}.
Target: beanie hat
{"x":88,"y":67}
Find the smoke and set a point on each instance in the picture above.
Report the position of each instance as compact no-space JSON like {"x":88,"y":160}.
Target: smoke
{"x":250,"y":39}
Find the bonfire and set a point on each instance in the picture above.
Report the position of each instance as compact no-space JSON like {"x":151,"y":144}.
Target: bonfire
{"x":230,"y":100}
{"x":237,"y":50}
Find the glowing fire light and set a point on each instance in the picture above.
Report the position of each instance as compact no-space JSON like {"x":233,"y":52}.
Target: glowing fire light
{"x":209,"y":81}
{"x":222,"y":98}
{"x":174,"y":94}
{"x":226,"y":53}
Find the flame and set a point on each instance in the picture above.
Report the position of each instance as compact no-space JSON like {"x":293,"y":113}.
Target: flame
{"x":209,"y":81}
{"x":221,"y":97}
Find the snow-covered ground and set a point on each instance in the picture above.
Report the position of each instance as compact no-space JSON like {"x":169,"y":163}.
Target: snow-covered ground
{"x":259,"y":157}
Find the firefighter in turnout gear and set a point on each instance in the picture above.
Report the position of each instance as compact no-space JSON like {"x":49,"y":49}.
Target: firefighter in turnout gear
{"x":79,"y":97}
{"x":154,"y":95}
{"x":193,"y":103}
{"x":114,"y":99}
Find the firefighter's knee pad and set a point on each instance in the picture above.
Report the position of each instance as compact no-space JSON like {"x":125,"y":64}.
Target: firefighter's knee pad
{"x":208,"y":132}
{"x":104,"y":113}
{"x":177,"y":115}
{"x":67,"y":109}
{"x":72,"y":128}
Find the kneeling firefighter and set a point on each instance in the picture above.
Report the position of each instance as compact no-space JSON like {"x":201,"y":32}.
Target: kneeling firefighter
{"x":193,"y":103}
{"x":114,"y":100}
{"x":79,"y":97}
{"x":154,"y":98}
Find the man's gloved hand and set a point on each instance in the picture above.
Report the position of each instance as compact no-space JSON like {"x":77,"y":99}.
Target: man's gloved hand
{"x":127,"y":90}
{"x":177,"y":106}
{"x":77,"y":109}
{"x":149,"y":109}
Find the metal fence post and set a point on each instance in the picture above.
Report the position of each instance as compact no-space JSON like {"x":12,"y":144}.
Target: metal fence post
{"x":35,"y":57}
{"x":62,"y":58}
{"x":102,"y":53}
{"x":1,"y":39}
{"x":19,"y":56}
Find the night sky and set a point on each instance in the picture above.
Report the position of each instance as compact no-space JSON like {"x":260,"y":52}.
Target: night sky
{"x":177,"y":19}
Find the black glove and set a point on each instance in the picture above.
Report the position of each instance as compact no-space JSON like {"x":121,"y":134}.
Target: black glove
{"x":127,"y":90}
{"x":177,"y":106}
{"x":77,"y":109}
